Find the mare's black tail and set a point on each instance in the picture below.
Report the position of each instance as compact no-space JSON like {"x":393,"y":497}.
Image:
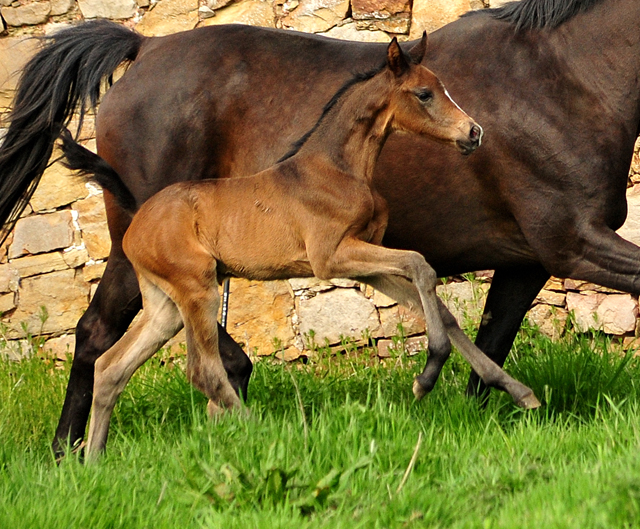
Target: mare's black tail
{"x":90,"y":165}
{"x":65,"y":76}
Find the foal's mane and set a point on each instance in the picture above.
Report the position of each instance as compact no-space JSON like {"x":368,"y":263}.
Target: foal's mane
{"x":356,"y":79}
{"x":538,"y":14}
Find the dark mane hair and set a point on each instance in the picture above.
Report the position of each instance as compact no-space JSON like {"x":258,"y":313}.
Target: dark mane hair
{"x":356,"y":79}
{"x":538,"y":14}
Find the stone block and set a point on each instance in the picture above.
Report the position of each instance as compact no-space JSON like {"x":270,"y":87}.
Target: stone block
{"x":336,"y":313}
{"x":14,"y":54}
{"x":386,"y":15}
{"x":250,"y":12}
{"x":114,"y":9}
{"x":391,"y":317}
{"x":351,"y":32}
{"x":61,"y":346}
{"x":93,"y":271}
{"x":584,"y":307}
{"x":93,"y":225}
{"x":260,"y":315}
{"x":7,"y":302}
{"x":550,"y":320}
{"x":58,"y":187}
{"x":60,"y":7}
{"x":315,"y":16}
{"x":9,"y":278}
{"x":65,"y":295}
{"x":465,"y":300}
{"x":75,"y":256}
{"x":42,"y":233}
{"x":43,"y":263}
{"x":169,"y":16}
{"x":630,"y":230}
{"x":551,"y":297}
{"x":429,"y":15}
{"x":27,"y":15}
{"x":618,"y":314}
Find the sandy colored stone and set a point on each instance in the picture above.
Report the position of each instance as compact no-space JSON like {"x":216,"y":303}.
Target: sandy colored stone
{"x":554,"y":283}
{"x":93,"y":271}
{"x":26,"y":15}
{"x":550,"y":320}
{"x":9,"y":278}
{"x":381,"y":300}
{"x":351,"y":32}
{"x":60,"y":347}
{"x":58,"y":187}
{"x":92,"y":222}
{"x":250,"y":12}
{"x":392,"y":317}
{"x":64,"y":294}
{"x":60,"y":7}
{"x":336,"y":313}
{"x":113,"y":9}
{"x":429,"y":15}
{"x":386,"y":15}
{"x":14,"y":54}
{"x":260,"y":315}
{"x":584,"y":307}
{"x":42,"y":233}
{"x":550,"y":297}
{"x":75,"y":257}
{"x":43,"y":263}
{"x":169,"y":16}
{"x":411,"y":346}
{"x":315,"y":16}
{"x":630,"y":230}
{"x":7,"y":302}
{"x":465,"y":300}
{"x":618,"y":314}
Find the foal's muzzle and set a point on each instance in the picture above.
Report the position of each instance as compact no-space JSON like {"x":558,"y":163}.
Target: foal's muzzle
{"x":473,"y":141}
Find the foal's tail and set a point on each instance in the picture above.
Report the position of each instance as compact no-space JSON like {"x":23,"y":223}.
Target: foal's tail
{"x":92,"y":166}
{"x":65,"y":76}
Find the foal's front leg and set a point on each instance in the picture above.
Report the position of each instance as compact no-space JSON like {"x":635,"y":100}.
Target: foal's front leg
{"x":394,"y":273}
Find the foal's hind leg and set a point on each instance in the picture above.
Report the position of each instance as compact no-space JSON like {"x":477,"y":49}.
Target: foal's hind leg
{"x":159,"y":322}
{"x":204,"y":366}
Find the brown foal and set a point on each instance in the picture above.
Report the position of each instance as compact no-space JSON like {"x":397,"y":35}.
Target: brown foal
{"x":315,"y":213}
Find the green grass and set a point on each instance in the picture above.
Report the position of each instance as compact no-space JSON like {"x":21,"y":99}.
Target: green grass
{"x":329,"y":444}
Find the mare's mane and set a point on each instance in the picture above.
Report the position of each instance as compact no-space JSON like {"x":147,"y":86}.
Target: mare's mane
{"x":356,"y":79}
{"x":538,"y":14}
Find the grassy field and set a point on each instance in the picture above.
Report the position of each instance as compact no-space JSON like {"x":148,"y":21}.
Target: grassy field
{"x":338,"y":443}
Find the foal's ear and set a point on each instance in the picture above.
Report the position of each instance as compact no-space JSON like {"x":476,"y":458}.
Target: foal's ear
{"x":418,"y":52}
{"x":396,"y":60}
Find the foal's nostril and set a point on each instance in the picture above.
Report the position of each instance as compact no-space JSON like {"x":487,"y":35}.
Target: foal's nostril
{"x":475,"y":133}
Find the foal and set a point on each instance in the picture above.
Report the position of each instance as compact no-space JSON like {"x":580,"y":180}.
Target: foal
{"x":313,"y":214}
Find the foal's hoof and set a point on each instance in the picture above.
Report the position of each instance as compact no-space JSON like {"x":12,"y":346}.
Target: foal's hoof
{"x":528,"y":402}
{"x":418,"y":391}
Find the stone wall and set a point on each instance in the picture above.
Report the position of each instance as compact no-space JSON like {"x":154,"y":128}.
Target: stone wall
{"x":52,"y":262}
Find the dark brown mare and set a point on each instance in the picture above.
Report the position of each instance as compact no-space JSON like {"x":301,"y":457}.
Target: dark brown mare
{"x":555,"y":84}
{"x":315,"y":213}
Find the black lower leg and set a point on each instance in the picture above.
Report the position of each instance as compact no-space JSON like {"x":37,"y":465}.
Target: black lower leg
{"x":512,"y":292}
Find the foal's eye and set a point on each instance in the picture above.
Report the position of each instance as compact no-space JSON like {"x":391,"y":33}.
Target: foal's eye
{"x":424,"y":95}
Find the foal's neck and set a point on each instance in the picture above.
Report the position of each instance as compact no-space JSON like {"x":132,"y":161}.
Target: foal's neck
{"x":353,"y":131}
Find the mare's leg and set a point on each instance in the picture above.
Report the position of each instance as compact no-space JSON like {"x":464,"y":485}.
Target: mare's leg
{"x":160,"y":321}
{"x":492,"y":375}
{"x":512,"y":292}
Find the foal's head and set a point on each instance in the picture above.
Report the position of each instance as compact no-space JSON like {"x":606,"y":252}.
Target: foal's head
{"x":421,"y":104}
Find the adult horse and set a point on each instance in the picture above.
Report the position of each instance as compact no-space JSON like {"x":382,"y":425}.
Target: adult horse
{"x":555,"y":83}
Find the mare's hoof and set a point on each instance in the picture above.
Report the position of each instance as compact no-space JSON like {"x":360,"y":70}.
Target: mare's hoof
{"x":528,"y":402}
{"x":418,"y":391}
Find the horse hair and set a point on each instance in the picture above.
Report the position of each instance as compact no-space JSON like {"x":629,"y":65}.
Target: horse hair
{"x":356,"y":79}
{"x":538,"y":14}
{"x":64,"y":76}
